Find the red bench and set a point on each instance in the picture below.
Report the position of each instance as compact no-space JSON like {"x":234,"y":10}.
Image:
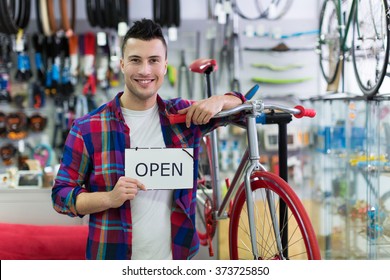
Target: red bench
{"x":42,"y":242}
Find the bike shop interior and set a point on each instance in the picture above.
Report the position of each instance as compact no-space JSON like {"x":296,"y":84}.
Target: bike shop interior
{"x":338,"y":162}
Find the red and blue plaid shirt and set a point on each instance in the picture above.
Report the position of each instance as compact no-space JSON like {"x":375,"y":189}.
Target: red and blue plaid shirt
{"x":93,"y":160}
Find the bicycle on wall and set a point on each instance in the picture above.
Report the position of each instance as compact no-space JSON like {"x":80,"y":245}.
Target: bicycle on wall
{"x":369,"y":50}
{"x":267,"y":220}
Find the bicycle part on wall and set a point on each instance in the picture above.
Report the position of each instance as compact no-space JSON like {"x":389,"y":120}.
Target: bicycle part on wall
{"x":280,"y":47}
{"x":107,"y":14}
{"x":184,"y":78}
{"x":266,"y":9}
{"x":265,"y":80}
{"x":11,"y":21}
{"x":167,"y":12}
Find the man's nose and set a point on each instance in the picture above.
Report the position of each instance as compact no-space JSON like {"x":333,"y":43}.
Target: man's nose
{"x":145,"y":68}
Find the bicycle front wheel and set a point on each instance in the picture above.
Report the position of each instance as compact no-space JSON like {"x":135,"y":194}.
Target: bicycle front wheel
{"x":370,"y":47}
{"x":297,"y":233}
{"x":329,"y":41}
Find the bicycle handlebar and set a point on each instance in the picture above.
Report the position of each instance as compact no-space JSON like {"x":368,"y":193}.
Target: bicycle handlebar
{"x":256,"y":107}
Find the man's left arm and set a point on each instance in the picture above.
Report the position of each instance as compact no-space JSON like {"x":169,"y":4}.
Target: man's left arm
{"x":200,"y":112}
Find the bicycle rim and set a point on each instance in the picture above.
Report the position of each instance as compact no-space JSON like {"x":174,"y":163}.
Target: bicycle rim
{"x":301,"y":241}
{"x":329,"y":42}
{"x":243,"y":13}
{"x":273,"y":9}
{"x":370,"y":47}
{"x":205,"y":222}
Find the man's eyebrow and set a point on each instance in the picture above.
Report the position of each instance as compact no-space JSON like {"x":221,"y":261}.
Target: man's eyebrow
{"x":137,"y":56}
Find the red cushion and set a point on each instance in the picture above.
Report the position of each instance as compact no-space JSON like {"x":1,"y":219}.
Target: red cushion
{"x":42,"y":242}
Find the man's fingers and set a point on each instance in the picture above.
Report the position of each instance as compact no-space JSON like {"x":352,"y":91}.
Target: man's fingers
{"x":189,"y":117}
{"x":183,"y":111}
{"x":133,"y":183}
{"x":142,"y":187}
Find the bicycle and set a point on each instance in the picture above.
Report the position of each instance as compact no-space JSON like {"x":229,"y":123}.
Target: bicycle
{"x":266,"y":233}
{"x":369,"y":51}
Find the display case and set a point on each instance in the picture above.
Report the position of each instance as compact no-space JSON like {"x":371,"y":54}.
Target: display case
{"x":351,"y":176}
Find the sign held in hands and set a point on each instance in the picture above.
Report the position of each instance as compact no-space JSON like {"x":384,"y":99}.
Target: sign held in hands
{"x":161,"y":168}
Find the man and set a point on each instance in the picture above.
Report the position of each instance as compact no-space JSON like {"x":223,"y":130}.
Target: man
{"x":127,"y":221}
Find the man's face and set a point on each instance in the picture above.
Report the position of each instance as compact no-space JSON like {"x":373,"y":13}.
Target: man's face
{"x":144,"y":65}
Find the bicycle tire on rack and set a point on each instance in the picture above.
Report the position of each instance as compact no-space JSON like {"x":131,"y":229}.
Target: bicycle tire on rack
{"x":370,"y":45}
{"x":302,"y":242}
{"x":329,"y":41}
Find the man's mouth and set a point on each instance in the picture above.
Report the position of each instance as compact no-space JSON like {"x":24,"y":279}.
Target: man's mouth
{"x":144,"y":82}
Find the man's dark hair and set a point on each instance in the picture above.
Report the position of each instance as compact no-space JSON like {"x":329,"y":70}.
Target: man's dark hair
{"x":146,"y":30}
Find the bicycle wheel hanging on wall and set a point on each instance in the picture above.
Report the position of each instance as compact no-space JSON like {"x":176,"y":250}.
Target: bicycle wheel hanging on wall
{"x":329,"y":41}
{"x":298,"y":239}
{"x":370,"y":46}
{"x":263,"y":9}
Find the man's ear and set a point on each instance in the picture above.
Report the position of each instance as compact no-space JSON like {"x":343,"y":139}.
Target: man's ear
{"x":121,"y":64}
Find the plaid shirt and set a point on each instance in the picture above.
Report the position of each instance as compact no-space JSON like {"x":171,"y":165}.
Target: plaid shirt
{"x":93,"y":160}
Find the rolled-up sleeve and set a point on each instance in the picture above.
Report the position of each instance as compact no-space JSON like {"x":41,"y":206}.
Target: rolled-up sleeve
{"x":70,"y":178}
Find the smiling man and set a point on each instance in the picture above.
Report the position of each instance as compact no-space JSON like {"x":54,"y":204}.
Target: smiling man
{"x":125,"y":220}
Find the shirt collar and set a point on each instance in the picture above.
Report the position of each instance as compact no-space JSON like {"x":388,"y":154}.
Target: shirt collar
{"x":116,"y":106}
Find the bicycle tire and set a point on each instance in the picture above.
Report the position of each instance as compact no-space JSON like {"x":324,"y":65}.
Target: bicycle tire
{"x":302,"y":237}
{"x":329,"y":41}
{"x":205,"y":221}
{"x":275,"y":9}
{"x":370,"y":45}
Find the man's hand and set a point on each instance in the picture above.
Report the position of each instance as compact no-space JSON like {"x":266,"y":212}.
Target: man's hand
{"x":202,"y":111}
{"x":125,"y":189}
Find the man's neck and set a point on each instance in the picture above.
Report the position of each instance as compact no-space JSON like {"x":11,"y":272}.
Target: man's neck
{"x":132,"y":103}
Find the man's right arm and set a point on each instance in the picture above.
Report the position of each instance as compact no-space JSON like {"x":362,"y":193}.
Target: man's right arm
{"x":125,"y":189}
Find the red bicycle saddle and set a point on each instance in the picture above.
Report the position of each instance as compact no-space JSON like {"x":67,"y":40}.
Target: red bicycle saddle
{"x":203,"y":65}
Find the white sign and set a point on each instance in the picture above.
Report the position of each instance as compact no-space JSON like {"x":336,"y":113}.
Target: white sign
{"x":161,"y":168}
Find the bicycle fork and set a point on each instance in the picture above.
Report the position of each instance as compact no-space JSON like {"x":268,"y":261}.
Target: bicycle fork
{"x":255,"y":165}
{"x":254,"y":157}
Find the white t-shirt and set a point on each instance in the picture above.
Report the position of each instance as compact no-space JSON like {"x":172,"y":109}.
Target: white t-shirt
{"x":150,"y":210}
